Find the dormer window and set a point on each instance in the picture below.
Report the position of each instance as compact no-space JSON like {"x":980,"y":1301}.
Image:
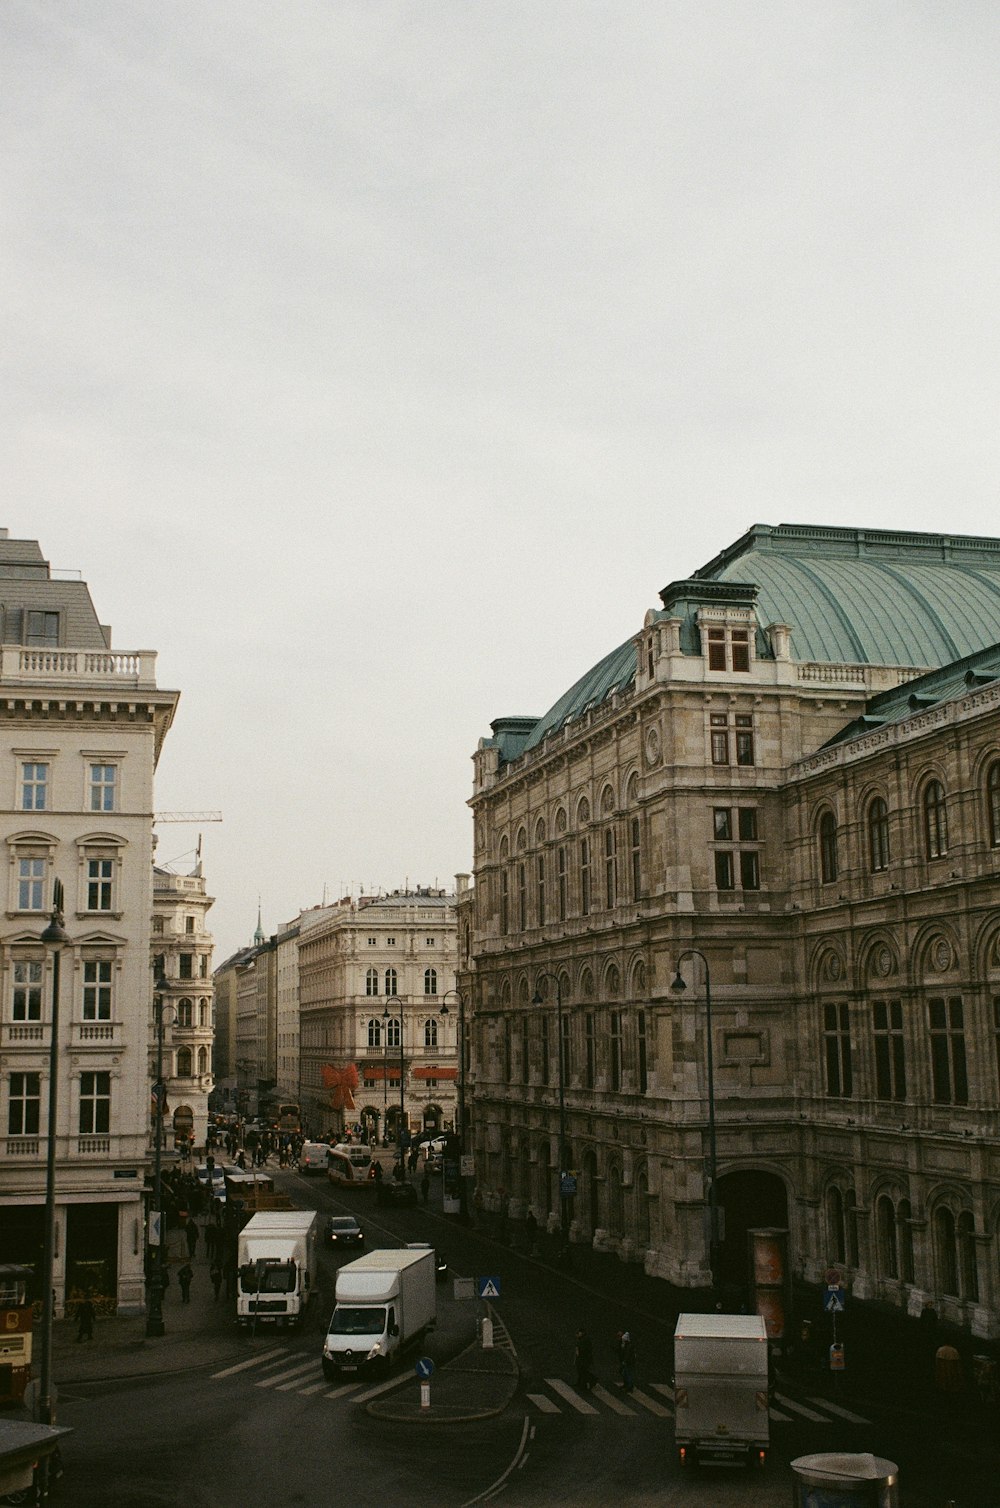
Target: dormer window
{"x":728,"y":649}
{"x":42,"y":628}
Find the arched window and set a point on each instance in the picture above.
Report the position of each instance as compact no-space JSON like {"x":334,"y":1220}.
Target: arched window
{"x":878,"y":835}
{"x":390,"y":981}
{"x":851,"y":1227}
{"x":888,"y":1250}
{"x":430,"y":981}
{"x":935,"y":820}
{"x":642,"y":1207}
{"x":430,"y":1032}
{"x":371,"y":982}
{"x":522,"y":897}
{"x":828,"y":866}
{"x":185,"y":1013}
{"x":393,"y":1032}
{"x":967,"y":1267}
{"x":203,"y":1013}
{"x":504,"y":901}
{"x":944,"y":1250}
{"x":993,"y":802}
{"x":184,"y":1062}
{"x":203,"y":1060}
{"x":615,"y":1201}
{"x":904,"y":1239}
{"x":835,"y":1223}
{"x":374,"y":1032}
{"x":610,"y":868}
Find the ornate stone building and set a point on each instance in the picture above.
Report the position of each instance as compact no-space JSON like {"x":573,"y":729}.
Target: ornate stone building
{"x":182,"y":957}
{"x":793,"y":771}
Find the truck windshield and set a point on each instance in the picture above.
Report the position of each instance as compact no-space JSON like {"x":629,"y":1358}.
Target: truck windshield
{"x":348,"y":1320}
{"x":268,"y":1277}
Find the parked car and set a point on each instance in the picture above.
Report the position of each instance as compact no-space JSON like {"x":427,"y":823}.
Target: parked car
{"x":343,"y":1230}
{"x":391,"y":1192}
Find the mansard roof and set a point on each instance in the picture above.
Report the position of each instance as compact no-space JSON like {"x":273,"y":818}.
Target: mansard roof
{"x":850,"y":596}
{"x":944,"y":685}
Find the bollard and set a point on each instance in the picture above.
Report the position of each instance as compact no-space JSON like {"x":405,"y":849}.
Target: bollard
{"x":487,"y":1335}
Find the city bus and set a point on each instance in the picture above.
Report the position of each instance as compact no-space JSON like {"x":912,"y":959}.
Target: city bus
{"x":15,"y":1331}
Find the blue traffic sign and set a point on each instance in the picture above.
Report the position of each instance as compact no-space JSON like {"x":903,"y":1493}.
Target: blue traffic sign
{"x":489,"y":1288}
{"x":567,"y":1185}
{"x":834,"y":1301}
{"x":424,"y":1367}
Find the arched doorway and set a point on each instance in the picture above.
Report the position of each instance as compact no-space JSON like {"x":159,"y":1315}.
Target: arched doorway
{"x":183,"y":1126}
{"x":749,"y":1200}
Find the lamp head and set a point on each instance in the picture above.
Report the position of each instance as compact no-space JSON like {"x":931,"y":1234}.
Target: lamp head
{"x":536,"y":998}
{"x":55,"y":934}
{"x":678,"y":986}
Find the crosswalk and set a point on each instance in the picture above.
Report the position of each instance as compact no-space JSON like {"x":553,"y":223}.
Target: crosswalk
{"x":658,"y":1399}
{"x":287,"y":1371}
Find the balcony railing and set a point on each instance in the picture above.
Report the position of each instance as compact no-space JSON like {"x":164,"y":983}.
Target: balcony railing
{"x":31,"y":665}
{"x":18,"y":1033}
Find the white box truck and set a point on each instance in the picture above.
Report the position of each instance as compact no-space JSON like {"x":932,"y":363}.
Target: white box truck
{"x":721,"y":1381}
{"x":385,"y":1301}
{"x":276,"y":1260}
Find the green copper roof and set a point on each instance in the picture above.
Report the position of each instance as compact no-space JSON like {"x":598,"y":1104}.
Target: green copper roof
{"x":852,"y":596}
{"x":901,"y":702}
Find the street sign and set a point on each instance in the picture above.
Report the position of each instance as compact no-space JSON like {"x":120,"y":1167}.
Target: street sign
{"x":425,"y":1367}
{"x":567,"y":1185}
{"x":468,"y":1166}
{"x":834,"y":1301}
{"x":155,"y":1226}
{"x":489,"y":1288}
{"x":465,"y":1288}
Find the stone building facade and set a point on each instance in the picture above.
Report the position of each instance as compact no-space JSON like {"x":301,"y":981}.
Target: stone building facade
{"x":182,"y":958}
{"x":685,"y":805}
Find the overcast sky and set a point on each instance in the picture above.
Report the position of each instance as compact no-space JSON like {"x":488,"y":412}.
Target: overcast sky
{"x":377,"y":364}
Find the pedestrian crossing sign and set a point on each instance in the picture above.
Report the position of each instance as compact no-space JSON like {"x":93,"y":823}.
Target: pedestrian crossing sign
{"x":489,"y":1288}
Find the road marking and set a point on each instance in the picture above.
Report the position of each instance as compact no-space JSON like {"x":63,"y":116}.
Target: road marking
{"x":348,"y":1387}
{"x":664,"y":1388}
{"x":650,"y":1403}
{"x":317,"y":1387}
{"x":573,"y":1399}
{"x":543,"y":1402}
{"x":297,"y":1373}
{"x":778,"y":1416}
{"x":383,"y":1387}
{"x":613,"y":1403}
{"x":255,"y":1361}
{"x":835,"y":1408}
{"x":800,"y":1408}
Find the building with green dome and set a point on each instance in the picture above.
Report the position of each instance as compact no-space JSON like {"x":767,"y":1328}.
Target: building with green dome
{"x":785,"y":790}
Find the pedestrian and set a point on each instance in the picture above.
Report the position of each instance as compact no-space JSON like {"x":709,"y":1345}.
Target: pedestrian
{"x":425,"y":1186}
{"x":209,"y":1240}
{"x":184,"y":1276}
{"x":584,"y":1359}
{"x":241,"y":1161}
{"x":215,"y":1274}
{"x":626,"y":1360}
{"x":85,"y":1316}
{"x":191,"y":1232}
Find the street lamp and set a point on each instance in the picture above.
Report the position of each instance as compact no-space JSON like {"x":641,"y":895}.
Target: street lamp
{"x":460,"y":1126}
{"x":55,"y":937}
{"x":154,"y":1318}
{"x":564,"y":1196}
{"x":678,"y":987}
{"x":386,"y":1017}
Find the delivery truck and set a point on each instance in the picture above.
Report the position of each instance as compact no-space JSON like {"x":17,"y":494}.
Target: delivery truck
{"x":385,"y":1301}
{"x":276,"y":1260}
{"x":721,"y":1384}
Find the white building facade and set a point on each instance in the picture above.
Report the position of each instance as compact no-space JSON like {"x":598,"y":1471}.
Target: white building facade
{"x":182,"y":960}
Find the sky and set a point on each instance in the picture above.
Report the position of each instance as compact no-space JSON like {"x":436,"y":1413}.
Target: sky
{"x":377,"y":364}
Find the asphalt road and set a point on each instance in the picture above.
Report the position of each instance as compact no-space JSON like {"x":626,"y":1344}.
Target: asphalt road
{"x":271,"y":1434}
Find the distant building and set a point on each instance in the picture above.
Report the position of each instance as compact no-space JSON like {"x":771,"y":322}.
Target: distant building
{"x":83,"y":726}
{"x":374,"y":977}
{"x":791,"y":774}
{"x":182,"y":957}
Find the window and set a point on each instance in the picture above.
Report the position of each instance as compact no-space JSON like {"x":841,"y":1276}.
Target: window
{"x":584,"y":876}
{"x":393,"y":1032}
{"x":719,"y":729}
{"x":745,"y":862}
{"x":890,"y":1051}
{"x":95,"y":1103}
{"x":561,"y":881}
{"x":184,"y":1062}
{"x":185,"y":1013}
{"x":828,"y":848}
{"x":428,"y":942}
{"x":504,"y":902}
{"x":540,"y":890}
{"x":24,"y":1104}
{"x":103,"y":787}
{"x":935,"y":821}
{"x":371,"y":982}
{"x":372,"y":942}
{"x":724,"y":874}
{"x":34,"y":787}
{"x":722,"y":823}
{"x":391,"y":981}
{"x":949,"y":1076}
{"x":100,"y":884}
{"x":878,"y":835}
{"x":522,"y":897}
{"x":721,"y":732}
{"x":837,"y":1050}
{"x":430,"y":1032}
{"x":31,"y":884}
{"x":526,"y":1049}
{"x":203,"y":1060}
{"x":610,"y":868}
{"x":885,"y":1225}
{"x":42,"y":628}
{"x":744,"y":740}
{"x":635,"y":834}
{"x":26,"y":999}
{"x":640,"y":1051}
{"x":374,"y":1032}
{"x":507,"y":1051}
{"x":944,"y":1250}
{"x":564,"y":1049}
{"x":97,"y":990}
{"x":543,"y":1043}
{"x":189,"y":924}
{"x":749,"y":869}
{"x":158,"y":925}
{"x":591,"y":1050}
{"x":430,"y":982}
{"x":203,"y":1013}
{"x":728,"y":649}
{"x":968,"y":1270}
{"x":993,"y":803}
{"x":185,"y":966}
{"x":390,"y":942}
{"x":747,"y":818}
{"x":616,"y":1050}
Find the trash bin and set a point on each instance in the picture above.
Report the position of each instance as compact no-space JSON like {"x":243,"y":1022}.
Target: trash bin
{"x":841,"y":1480}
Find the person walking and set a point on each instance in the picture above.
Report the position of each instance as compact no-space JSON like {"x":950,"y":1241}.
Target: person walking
{"x":626,"y":1360}
{"x":191,"y":1233}
{"x":584,"y":1360}
{"x":425,"y":1186}
{"x":85,"y":1316}
{"x":184,"y":1276}
{"x":215,"y":1274}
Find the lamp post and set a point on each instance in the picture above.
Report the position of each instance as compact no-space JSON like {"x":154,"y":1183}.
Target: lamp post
{"x":154,"y":1318}
{"x":55,"y":937}
{"x":387,"y":1017}
{"x":678,"y":987}
{"x":460,"y":1126}
{"x":564,"y":1194}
